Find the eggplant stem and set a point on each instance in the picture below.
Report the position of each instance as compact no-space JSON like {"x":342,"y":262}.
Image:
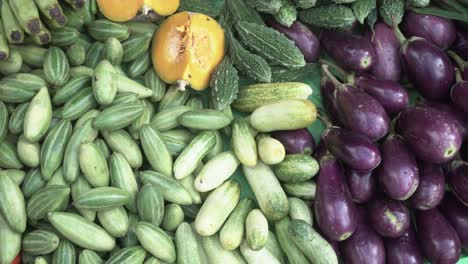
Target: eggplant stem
{"x":398,"y":34}
{"x":343,"y":74}
{"x":333,"y":79}
{"x":458,"y":76}
{"x":457,"y":59}
{"x":325,"y":120}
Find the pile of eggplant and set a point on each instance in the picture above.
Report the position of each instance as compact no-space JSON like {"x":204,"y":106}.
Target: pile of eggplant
{"x":393,"y":184}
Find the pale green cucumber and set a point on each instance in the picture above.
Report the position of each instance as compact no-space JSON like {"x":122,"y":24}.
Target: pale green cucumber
{"x":187,"y":161}
{"x":121,"y":176}
{"x":258,"y":257}
{"x":89,"y":257}
{"x":296,"y":168}
{"x":304,"y":190}
{"x":243,"y":143}
{"x":168,"y":119}
{"x":173,"y":97}
{"x":93,"y":164}
{"x":268,"y":191}
{"x":114,"y":221}
{"x":104,"y":83}
{"x":216,"y":171}
{"x":102,"y":198}
{"x":73,"y":86}
{"x":12,"y":205}
{"x":172,"y":190}
{"x":210,"y":219}
{"x":150,"y":204}
{"x":232,"y":232}
{"x":187,"y":245}
{"x":65,"y":253}
{"x":28,"y":153}
{"x":10,"y":244}
{"x":188,"y":183}
{"x":284,"y":115}
{"x":53,"y":148}
{"x":127,"y":85}
{"x":173,"y":217}
{"x":130,"y":238}
{"x":217,"y":254}
{"x":270,"y":150}
{"x":131,"y":255}
{"x":156,"y":242}
{"x":298,"y":209}
{"x":274,"y":247}
{"x":155,"y":150}
{"x":79,"y":187}
{"x":16,"y":121}
{"x":16,"y":176}
{"x":32,"y":182}
{"x":48,"y":199}
{"x":82,"y":231}
{"x":121,"y":142}
{"x":40,"y":242}
{"x":119,"y":116}
{"x":38,"y":116}
{"x":204,"y":119}
{"x":256,"y":230}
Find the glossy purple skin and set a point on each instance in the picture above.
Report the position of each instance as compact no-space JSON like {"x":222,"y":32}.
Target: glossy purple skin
{"x":391,"y":95}
{"x":296,"y":141}
{"x":398,"y":173}
{"x":403,"y":249}
{"x":433,"y":135}
{"x":351,"y":51}
{"x":362,"y":113}
{"x":362,"y":185}
{"x":327,"y":89}
{"x":334,"y":210}
{"x":461,"y":120}
{"x":387,"y":53}
{"x":438,"y":239}
{"x":389,"y":218}
{"x":459,"y":95}
{"x":457,"y":214}
{"x":461,"y":43}
{"x":438,"y":30}
{"x":464,"y":151}
{"x":305,"y":40}
{"x":428,"y":68}
{"x":457,"y":179}
{"x":431,"y":187}
{"x":353,"y":149}
{"x":320,"y":151}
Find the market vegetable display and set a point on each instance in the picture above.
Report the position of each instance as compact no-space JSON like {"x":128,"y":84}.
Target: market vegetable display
{"x":220,"y":132}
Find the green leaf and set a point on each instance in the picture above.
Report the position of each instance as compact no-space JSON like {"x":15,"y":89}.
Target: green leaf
{"x":441,"y":13}
{"x":362,"y":9}
{"x":392,"y":11}
{"x":224,"y":84}
{"x":372,"y":19}
{"x":211,"y":8}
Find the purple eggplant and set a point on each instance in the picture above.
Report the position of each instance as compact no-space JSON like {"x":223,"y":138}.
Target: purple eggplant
{"x":386,"y":47}
{"x":438,"y":30}
{"x":460,"y":119}
{"x":461,"y":43}
{"x":462,"y":73}
{"x":403,"y":249}
{"x":334,"y":244}
{"x":296,"y":141}
{"x":438,"y":239}
{"x":457,"y":214}
{"x":459,"y":95}
{"x":431,"y":187}
{"x":433,"y":135}
{"x":398,"y":173}
{"x":390,"y":218}
{"x":361,"y":184}
{"x":355,"y":150}
{"x":320,"y":151}
{"x":457,"y":179}
{"x":464,"y":151}
{"x":427,"y":67}
{"x":327,"y":89}
{"x":391,"y":95}
{"x":351,"y":51}
{"x":334,"y":210}
{"x":305,"y":39}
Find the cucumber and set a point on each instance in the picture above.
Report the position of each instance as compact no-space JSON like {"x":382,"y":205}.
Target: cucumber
{"x":284,"y":115}
{"x":224,"y":84}
{"x":9,"y":156}
{"x":308,"y":241}
{"x":187,"y":161}
{"x":114,"y":221}
{"x":40,"y":242}
{"x":103,"y":29}
{"x":253,"y":96}
{"x":56,"y":66}
{"x":287,"y":14}
{"x":293,"y":253}
{"x":150,"y":204}
{"x":188,"y":184}
{"x":173,"y":217}
{"x":303,"y":190}
{"x":168,"y":119}
{"x":268,"y":191}
{"x":119,"y":116}
{"x":48,"y":199}
{"x":38,"y":116}
{"x":32,"y":182}
{"x":187,"y":245}
{"x":296,"y":168}
{"x":89,"y":257}
{"x":392,"y":12}
{"x":298,"y":209}
{"x":204,"y":119}
{"x":258,"y":257}
{"x":130,"y":238}
{"x":329,"y":16}
{"x":153,"y":82}
{"x":113,"y":51}
{"x":155,"y":150}
{"x":249,"y":64}
{"x":270,"y":150}
{"x":70,"y":88}
{"x":65,"y":253}
{"x":256,"y":230}
{"x":122,"y":176}
{"x":270,"y":44}
{"x":210,"y":219}
{"x":53,"y":148}
{"x":121,"y":142}
{"x":216,"y":171}
{"x":64,"y":36}
{"x":135,"y":46}
{"x":172,"y":190}
{"x":12,"y":205}
{"x":274,"y":247}
{"x":10,"y":245}
{"x":94,"y":165}
{"x":102,"y":198}
{"x":270,"y":7}
{"x":232,"y":232}
{"x":217,"y":254}
{"x":130,"y":255}
{"x":239,"y":10}
{"x":81,"y":231}
{"x":156,"y":242}
{"x":15,"y":124}
{"x":104,"y":83}
{"x":243,"y":143}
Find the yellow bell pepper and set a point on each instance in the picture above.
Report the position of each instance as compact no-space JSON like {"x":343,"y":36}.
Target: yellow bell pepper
{"x":187,"y":48}
{"x":119,"y":10}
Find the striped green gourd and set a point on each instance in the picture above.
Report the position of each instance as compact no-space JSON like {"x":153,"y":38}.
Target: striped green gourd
{"x":113,"y":51}
{"x":9,"y":158}
{"x":167,"y":119}
{"x":28,"y":152}
{"x":53,"y":148}
{"x":187,"y":245}
{"x":150,"y":204}
{"x":38,"y":116}
{"x":139,"y":65}
{"x":115,"y":221}
{"x":4,"y":121}
{"x":48,"y":199}
{"x":65,"y":253}
{"x":32,"y":182}
{"x":94,"y":54}
{"x":79,"y":104}
{"x":172,"y":98}
{"x":94,"y":165}
{"x":118,"y":116}
{"x":89,"y":257}
{"x":171,"y":189}
{"x":156,"y":241}
{"x":130,"y":255}
{"x":64,"y":36}
{"x":80,"y":186}
{"x":56,"y":66}
{"x":173,"y":217}
{"x":144,"y":119}
{"x":121,"y":142}
{"x":122,"y":176}
{"x":76,"y":54}
{"x":12,"y":205}
{"x":204,"y":119}
{"x":155,"y":150}
{"x":15,"y":124}
{"x":103,"y":29}
{"x":105,"y":83}
{"x":102,"y":198}
{"x":73,"y":86}
{"x":130,"y":238}
{"x":153,"y":82}
{"x":10,"y":244}
{"x":40,"y":242}
{"x":135,"y":46}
